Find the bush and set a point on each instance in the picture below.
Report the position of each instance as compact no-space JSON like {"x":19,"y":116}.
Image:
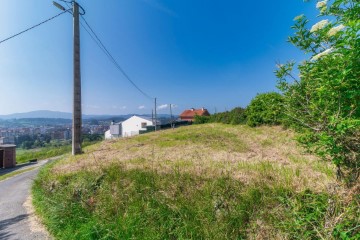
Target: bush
{"x":265,"y":108}
{"x":323,"y":102}
{"x":238,"y":116}
{"x":235,"y":117}
{"x":201,"y":119}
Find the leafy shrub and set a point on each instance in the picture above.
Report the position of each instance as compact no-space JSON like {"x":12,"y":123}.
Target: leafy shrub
{"x":323,"y":101}
{"x":201,"y":119}
{"x":235,"y":116}
{"x":265,"y":108}
{"x":238,"y":116}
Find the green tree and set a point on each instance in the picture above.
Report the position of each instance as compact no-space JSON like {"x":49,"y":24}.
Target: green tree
{"x":323,"y":101}
{"x":201,"y":119}
{"x":38,"y":143}
{"x":91,"y":137}
{"x":238,"y":116}
{"x":265,"y":108}
{"x":235,"y":116}
{"x":27,"y":144}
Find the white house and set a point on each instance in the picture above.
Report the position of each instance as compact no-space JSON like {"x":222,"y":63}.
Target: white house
{"x":128,"y":128}
{"x":114,"y":131}
{"x":133,"y":125}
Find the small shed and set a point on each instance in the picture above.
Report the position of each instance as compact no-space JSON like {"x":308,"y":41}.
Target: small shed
{"x":7,"y":156}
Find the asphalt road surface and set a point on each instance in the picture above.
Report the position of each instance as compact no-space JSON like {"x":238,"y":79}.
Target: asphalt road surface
{"x":14,"y":217}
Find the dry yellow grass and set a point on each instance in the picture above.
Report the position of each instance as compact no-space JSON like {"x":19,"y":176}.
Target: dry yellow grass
{"x":249,"y":154}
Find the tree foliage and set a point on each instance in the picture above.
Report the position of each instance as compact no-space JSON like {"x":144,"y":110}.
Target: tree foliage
{"x":265,"y":109}
{"x":91,"y":137}
{"x":235,"y":116}
{"x":323,"y":101}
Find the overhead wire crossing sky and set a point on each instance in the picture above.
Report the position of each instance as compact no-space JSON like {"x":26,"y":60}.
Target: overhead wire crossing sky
{"x":111,"y":58}
{"x":30,"y":28}
{"x":218,"y":57}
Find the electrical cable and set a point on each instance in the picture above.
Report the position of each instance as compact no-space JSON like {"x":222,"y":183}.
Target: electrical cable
{"x":112,"y":59}
{"x":33,"y":27}
{"x":96,"y":40}
{"x":99,"y":43}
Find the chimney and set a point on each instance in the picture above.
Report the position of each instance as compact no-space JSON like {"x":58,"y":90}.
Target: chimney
{"x":192,"y":109}
{"x":203,"y":108}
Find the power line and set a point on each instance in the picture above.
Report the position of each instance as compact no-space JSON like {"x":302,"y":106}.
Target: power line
{"x":33,"y":27}
{"x":111,"y":58}
{"x":96,"y":40}
{"x":99,"y":43}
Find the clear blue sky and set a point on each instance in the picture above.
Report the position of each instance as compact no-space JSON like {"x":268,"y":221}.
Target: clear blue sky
{"x":191,"y":53}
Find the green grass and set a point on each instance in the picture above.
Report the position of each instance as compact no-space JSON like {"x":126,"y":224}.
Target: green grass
{"x":215,"y":138}
{"x":148,"y":197}
{"x":12,"y":174}
{"x":42,"y":153}
{"x":137,"y":204}
{"x":23,"y":156}
{"x":267,"y":143}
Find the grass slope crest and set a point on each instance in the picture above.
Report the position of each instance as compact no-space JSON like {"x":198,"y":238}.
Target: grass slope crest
{"x":210,"y":181}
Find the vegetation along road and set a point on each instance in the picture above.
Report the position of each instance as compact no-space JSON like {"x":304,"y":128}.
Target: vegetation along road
{"x":16,"y":217}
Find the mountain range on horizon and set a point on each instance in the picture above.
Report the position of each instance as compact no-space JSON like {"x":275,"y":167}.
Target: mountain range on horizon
{"x":65,"y":115}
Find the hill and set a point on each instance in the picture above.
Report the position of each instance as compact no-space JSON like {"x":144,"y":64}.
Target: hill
{"x":66,"y":115}
{"x":209,"y":181}
{"x":38,"y":114}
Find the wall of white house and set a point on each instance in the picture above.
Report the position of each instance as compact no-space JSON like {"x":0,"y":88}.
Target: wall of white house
{"x":133,"y":125}
{"x":108,"y":135}
{"x":115,"y":129}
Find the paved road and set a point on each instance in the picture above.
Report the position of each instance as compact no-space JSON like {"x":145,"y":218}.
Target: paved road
{"x":18,"y":167}
{"x":14,"y":218}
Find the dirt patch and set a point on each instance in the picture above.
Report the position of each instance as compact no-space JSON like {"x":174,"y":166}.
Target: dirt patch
{"x":34,"y":221}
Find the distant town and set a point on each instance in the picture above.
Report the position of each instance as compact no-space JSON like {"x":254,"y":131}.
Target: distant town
{"x":36,"y":132}
{"x":42,"y":128}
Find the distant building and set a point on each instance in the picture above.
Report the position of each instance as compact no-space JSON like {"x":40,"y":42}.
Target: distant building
{"x":133,"y":125}
{"x":128,"y":128}
{"x":189,"y":114}
{"x":7,"y":140}
{"x":98,"y":129}
{"x":7,"y":155}
{"x":36,"y":131}
{"x":115,"y":131}
{"x":67,"y":134}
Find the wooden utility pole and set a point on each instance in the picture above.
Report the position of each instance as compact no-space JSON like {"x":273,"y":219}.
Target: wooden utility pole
{"x":155,"y":116}
{"x":171,"y":118}
{"x":77,"y":121}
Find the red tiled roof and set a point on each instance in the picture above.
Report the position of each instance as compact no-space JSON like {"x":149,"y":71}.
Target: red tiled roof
{"x":192,"y":112}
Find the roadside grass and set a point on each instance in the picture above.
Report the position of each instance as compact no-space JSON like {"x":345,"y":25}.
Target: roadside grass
{"x":139,"y":188}
{"x":14,"y":173}
{"x":23,"y":156}
{"x":41,"y":153}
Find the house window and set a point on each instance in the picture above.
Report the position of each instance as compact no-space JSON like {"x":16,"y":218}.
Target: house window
{"x":143,"y":125}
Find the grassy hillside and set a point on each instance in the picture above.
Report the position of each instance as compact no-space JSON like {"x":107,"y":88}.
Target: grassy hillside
{"x":208,"y":181}
{"x":23,"y":156}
